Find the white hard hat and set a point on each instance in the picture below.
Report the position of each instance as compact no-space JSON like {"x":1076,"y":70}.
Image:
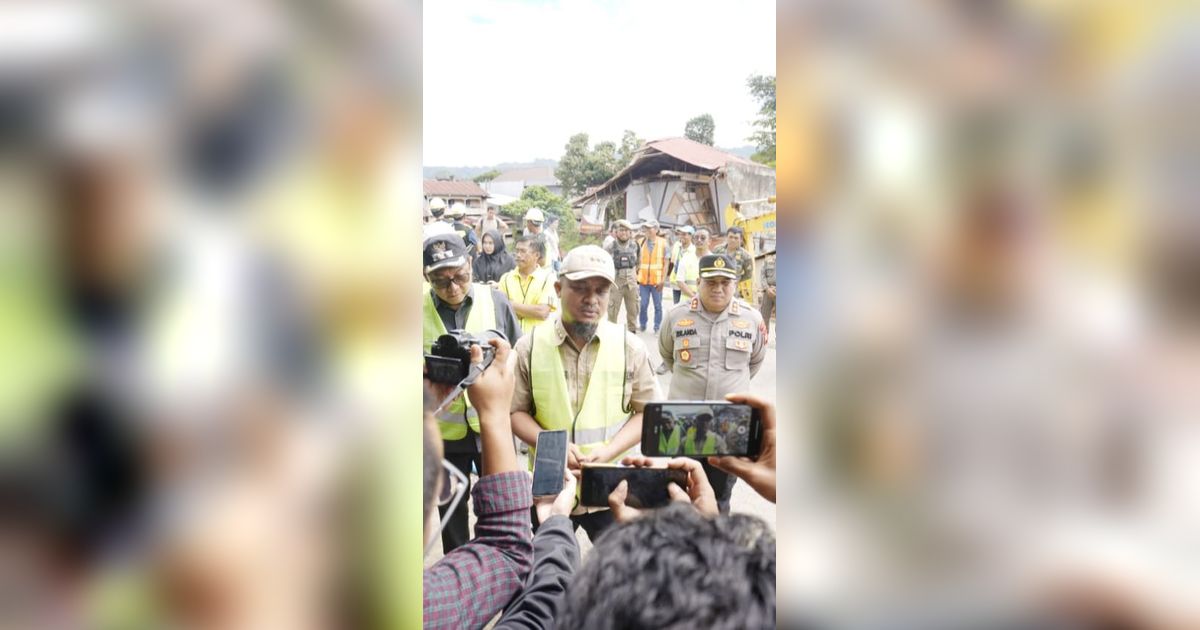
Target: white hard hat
{"x":535,"y":215}
{"x":437,"y":203}
{"x":457,"y":209}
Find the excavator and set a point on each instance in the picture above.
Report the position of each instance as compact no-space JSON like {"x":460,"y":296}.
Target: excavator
{"x":752,"y":228}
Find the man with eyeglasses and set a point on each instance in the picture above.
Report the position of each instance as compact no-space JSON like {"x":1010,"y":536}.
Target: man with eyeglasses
{"x":585,"y":374}
{"x":455,"y":302}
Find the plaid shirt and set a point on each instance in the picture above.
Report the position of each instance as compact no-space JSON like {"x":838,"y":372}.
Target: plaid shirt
{"x":471,"y":584}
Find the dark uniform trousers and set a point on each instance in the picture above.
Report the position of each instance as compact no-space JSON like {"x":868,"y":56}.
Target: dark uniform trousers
{"x":462,"y":454}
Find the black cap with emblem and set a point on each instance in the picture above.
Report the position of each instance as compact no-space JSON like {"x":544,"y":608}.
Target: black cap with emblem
{"x":445,"y":250}
{"x":718,"y":265}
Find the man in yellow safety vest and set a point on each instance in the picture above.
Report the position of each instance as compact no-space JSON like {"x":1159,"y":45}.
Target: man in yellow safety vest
{"x":582,"y":373}
{"x":453,"y":302}
{"x":529,"y":287}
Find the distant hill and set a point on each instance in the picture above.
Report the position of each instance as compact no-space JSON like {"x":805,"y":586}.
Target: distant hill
{"x":467,"y":172}
{"x":743,"y":151}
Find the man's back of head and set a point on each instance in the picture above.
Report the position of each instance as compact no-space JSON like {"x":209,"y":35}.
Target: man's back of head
{"x":675,"y":568}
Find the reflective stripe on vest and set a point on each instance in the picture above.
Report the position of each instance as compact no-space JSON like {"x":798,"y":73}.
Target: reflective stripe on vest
{"x":454,"y":419}
{"x":510,"y":283}
{"x":650,"y":268}
{"x":603,"y":411}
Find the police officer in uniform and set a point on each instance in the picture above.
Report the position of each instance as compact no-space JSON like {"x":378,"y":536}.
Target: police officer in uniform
{"x":464,"y":231}
{"x":624,"y":252}
{"x":713,"y":345}
{"x":452,"y":302}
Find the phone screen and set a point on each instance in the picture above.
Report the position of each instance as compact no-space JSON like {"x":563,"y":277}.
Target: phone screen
{"x":550,"y":462}
{"x":647,"y":486}
{"x":700,"y":429}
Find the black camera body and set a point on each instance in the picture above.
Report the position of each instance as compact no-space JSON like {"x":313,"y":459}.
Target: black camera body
{"x":449,"y":360}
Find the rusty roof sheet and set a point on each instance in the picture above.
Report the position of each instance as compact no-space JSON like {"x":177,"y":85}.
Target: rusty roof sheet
{"x":695,"y":153}
{"x":440,"y":188}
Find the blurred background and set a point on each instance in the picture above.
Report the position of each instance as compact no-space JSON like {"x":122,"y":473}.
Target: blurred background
{"x":991,"y":224}
{"x":206,"y":215}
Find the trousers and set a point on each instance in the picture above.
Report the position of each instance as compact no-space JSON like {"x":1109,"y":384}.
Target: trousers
{"x":457,"y":533}
{"x":650,"y":292}
{"x":624,"y":292}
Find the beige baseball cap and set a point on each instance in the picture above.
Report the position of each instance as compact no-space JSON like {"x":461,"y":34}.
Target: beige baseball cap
{"x":588,"y":261}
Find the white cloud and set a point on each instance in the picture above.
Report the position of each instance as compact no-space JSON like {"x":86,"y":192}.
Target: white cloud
{"x":512,"y":80}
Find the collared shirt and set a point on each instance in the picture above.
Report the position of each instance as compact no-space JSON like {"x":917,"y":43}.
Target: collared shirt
{"x":641,"y":386}
{"x":506,"y":319}
{"x":712,"y":354}
{"x":467,"y":587}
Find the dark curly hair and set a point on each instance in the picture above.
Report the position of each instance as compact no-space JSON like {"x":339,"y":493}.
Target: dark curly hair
{"x":675,"y":568}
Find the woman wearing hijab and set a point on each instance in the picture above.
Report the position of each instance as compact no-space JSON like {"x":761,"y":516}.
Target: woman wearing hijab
{"x":493,"y":261}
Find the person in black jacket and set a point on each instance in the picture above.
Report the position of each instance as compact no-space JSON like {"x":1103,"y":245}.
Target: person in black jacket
{"x":493,"y":260}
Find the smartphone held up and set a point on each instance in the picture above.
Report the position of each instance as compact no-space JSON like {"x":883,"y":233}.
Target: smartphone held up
{"x":700,"y":429}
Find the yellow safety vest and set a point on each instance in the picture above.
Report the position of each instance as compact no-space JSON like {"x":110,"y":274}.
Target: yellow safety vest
{"x":689,"y":443}
{"x":669,"y":444}
{"x":603,"y":412}
{"x":510,"y":283}
{"x":459,"y":414}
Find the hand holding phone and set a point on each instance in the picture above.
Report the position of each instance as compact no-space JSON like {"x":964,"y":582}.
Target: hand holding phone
{"x":645,"y":487}
{"x":696,"y":491}
{"x":560,"y":504}
{"x":760,"y":473}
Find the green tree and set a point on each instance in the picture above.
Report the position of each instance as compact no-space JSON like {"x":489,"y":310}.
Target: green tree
{"x":700,"y":129}
{"x":537,"y":197}
{"x":486,"y":177}
{"x":582,"y":166}
{"x":630,"y":143}
{"x":762,"y":88}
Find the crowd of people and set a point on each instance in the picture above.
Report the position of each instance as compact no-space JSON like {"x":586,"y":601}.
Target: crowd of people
{"x":567,"y":365}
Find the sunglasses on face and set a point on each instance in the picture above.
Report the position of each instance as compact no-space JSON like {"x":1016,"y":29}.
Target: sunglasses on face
{"x":461,"y":279}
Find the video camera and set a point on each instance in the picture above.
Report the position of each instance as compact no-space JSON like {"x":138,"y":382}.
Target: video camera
{"x":449,"y":360}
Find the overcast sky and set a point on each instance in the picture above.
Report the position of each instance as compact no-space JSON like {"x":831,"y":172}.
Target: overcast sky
{"x":512,"y":80}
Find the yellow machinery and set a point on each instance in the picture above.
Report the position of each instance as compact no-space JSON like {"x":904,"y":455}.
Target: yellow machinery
{"x":751,"y":227}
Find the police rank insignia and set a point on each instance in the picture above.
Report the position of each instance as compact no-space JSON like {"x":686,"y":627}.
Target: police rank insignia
{"x":685,"y":355}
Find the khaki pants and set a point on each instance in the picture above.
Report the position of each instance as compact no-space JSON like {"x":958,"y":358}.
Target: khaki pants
{"x":628,"y":293}
{"x":767,"y":309}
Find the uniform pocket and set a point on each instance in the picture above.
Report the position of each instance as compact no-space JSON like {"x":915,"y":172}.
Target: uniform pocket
{"x":737,"y":353}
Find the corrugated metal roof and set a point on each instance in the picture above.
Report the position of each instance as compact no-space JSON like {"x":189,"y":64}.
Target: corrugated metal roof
{"x":435,"y":187}
{"x":695,"y":153}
